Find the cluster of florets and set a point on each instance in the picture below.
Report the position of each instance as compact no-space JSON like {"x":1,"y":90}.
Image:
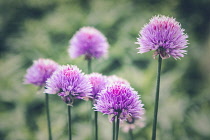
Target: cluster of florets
{"x":90,"y":42}
{"x":99,"y":82}
{"x":119,"y":100}
{"x":70,"y":83}
{"x":40,"y":71}
{"x":165,"y":36}
{"x":132,"y":123}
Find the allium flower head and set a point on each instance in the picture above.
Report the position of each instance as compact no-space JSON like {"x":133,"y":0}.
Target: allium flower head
{"x":40,"y":71}
{"x":90,"y":42}
{"x":119,"y":100}
{"x":132,"y":123}
{"x":116,"y":79}
{"x":69,"y":83}
{"x":98,"y":82}
{"x":165,"y":36}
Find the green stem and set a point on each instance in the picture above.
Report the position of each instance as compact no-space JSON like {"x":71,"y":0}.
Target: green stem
{"x":131,"y":134}
{"x":89,"y":65}
{"x":69,"y":116}
{"x":92,"y":120}
{"x":89,"y":60}
{"x":48,"y":116}
{"x":156,"y":99}
{"x":113,"y":129}
{"x":96,"y":125}
{"x":117,"y":126}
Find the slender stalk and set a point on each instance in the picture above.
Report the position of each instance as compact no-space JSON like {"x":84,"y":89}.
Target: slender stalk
{"x":156,"y":99}
{"x":96,"y":125}
{"x":48,"y":116}
{"x":131,"y":134}
{"x":69,"y":116}
{"x":117,"y":126}
{"x":89,"y":60}
{"x":113,"y":129}
{"x":89,"y":65}
{"x":92,"y":119}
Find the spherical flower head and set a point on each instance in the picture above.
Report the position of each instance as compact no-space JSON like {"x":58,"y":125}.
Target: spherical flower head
{"x":70,"y":83}
{"x":90,"y":42}
{"x":132,"y":123}
{"x":116,"y":79}
{"x":119,"y":100}
{"x":165,"y":36}
{"x":98,"y":82}
{"x":40,"y":71}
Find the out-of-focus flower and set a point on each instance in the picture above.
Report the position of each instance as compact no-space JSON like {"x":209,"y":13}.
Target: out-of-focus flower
{"x":98,"y":82}
{"x":90,"y":42}
{"x":132,"y":123}
{"x":70,"y":83}
{"x":165,"y":36}
{"x":119,"y":100}
{"x":116,"y":79}
{"x":40,"y":71}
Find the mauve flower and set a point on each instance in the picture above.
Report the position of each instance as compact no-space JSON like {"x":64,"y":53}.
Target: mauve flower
{"x":98,"y":82}
{"x":40,"y":71}
{"x":116,"y":79}
{"x":90,"y":42}
{"x":132,"y":123}
{"x":119,"y":100}
{"x":70,"y":83}
{"x":165,"y":36}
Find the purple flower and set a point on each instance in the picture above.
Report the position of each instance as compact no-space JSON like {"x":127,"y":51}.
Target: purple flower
{"x":98,"y":82}
{"x":165,"y":36}
{"x":119,"y":100}
{"x":132,"y":122}
{"x":116,"y":79}
{"x":69,"y":83}
{"x":90,"y":42}
{"x":40,"y":71}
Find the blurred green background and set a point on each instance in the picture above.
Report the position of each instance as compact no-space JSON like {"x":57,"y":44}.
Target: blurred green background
{"x":32,"y":29}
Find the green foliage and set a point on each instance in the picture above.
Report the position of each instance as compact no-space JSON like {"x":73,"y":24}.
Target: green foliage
{"x":32,"y":29}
